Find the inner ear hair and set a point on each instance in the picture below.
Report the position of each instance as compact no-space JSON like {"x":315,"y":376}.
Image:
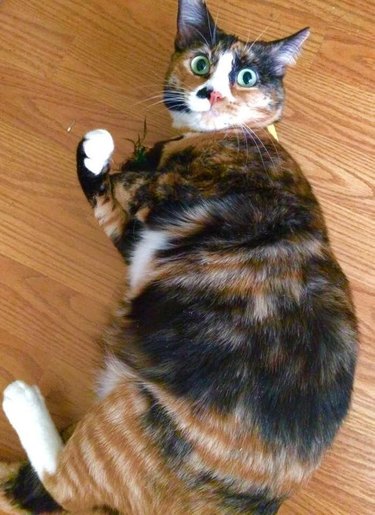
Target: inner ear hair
{"x":194,"y":23}
{"x":286,"y":51}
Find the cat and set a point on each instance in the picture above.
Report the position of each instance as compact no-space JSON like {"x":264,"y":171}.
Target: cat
{"x":229,"y":365}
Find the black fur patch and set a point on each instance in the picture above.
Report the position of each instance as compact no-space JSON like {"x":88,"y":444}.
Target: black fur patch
{"x":27,"y":492}
{"x":174,"y":100}
{"x":107,"y":510}
{"x":290,"y":407}
{"x":164,"y":432}
{"x":183,"y":338}
{"x":254,"y":504}
{"x":127,"y":241}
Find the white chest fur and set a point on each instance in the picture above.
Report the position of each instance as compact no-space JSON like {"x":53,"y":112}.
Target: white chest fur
{"x":143,"y":255}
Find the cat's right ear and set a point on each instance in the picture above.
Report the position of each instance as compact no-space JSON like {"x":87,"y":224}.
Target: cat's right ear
{"x":194,"y":24}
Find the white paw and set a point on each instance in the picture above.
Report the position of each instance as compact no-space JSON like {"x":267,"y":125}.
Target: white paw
{"x":22,"y":402}
{"x":26,"y":411}
{"x":98,"y":146}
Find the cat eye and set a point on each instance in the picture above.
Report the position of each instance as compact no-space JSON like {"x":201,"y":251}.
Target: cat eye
{"x":200,"y":65}
{"x":247,"y":78}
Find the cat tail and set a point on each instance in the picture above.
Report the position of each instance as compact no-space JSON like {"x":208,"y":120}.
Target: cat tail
{"x":21,"y":491}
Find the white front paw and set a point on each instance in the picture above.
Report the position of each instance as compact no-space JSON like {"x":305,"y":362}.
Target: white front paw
{"x":98,"y":146}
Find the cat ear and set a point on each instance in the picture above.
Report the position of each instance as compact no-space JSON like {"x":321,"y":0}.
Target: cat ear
{"x":285,"y":51}
{"x":194,"y":23}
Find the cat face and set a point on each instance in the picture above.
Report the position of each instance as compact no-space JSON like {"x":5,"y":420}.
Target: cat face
{"x":215,"y":81}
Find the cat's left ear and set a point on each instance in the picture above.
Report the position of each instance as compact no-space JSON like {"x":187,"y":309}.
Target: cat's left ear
{"x":285,"y":51}
{"x":194,"y":23}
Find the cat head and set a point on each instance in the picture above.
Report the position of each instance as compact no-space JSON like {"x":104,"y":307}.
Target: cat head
{"x":216,"y":81}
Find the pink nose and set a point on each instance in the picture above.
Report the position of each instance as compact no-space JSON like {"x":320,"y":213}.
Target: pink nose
{"x":215,"y":97}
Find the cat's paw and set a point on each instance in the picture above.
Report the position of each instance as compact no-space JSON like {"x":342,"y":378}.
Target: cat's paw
{"x":26,"y":411}
{"x":98,"y":147}
{"x":22,"y":402}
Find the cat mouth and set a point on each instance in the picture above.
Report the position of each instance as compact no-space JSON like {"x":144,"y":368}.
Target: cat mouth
{"x":214,"y":104}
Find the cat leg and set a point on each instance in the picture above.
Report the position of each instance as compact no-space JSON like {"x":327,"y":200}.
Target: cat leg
{"x":25,"y":409}
{"x":93,"y":165}
{"x":40,"y":486}
{"x":77,"y":476}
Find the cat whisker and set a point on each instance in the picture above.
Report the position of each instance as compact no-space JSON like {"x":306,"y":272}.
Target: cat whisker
{"x":252,"y":134}
{"x":154,"y":104}
{"x":161,"y":94}
{"x":154,"y":82}
{"x":153,"y":97}
{"x":238,"y":142}
{"x":175,"y":96}
{"x":161,"y":97}
{"x":203,"y":37}
{"x":216,"y":23}
{"x":247,"y":146}
{"x":265,"y":148}
{"x":263,"y":145}
{"x":155,"y":94}
{"x":210,"y":28}
{"x":174,"y":102}
{"x":264,"y":31}
{"x":273,"y":143}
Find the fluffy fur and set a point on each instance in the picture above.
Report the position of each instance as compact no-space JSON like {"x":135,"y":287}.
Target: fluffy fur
{"x":229,"y":365}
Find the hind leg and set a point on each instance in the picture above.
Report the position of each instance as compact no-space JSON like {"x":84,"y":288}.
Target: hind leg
{"x":25,"y":409}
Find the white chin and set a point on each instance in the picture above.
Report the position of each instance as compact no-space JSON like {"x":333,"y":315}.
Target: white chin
{"x":200,"y":121}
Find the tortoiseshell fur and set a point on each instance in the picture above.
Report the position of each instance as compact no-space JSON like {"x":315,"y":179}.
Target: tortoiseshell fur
{"x":229,"y":365}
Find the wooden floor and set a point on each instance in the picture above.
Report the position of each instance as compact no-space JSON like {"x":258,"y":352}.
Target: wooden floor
{"x":67,"y":66}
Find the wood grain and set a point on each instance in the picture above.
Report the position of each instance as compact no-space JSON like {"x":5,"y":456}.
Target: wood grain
{"x":68,"y":66}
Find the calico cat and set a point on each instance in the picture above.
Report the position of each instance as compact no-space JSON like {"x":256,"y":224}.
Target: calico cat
{"x":229,"y":365}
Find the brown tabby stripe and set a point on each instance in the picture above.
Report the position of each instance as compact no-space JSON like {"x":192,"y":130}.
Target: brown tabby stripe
{"x":119,"y":459}
{"x":110,"y":459}
{"x":215,"y":437}
{"x":227,"y":276}
{"x":110,"y":215}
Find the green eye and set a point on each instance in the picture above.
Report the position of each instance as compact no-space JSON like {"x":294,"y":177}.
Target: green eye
{"x":247,"y":78}
{"x":200,"y":65}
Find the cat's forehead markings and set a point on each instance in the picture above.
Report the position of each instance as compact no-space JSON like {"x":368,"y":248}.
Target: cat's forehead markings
{"x":225,"y":63}
{"x":220,"y":77}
